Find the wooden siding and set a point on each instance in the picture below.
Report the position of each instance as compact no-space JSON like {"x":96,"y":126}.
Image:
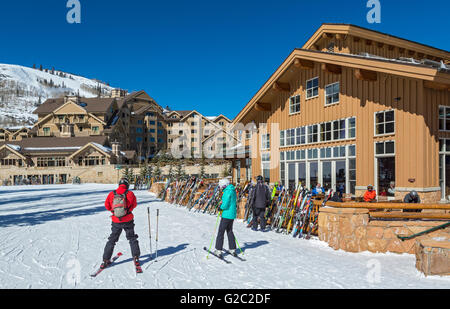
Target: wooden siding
{"x":416,"y":122}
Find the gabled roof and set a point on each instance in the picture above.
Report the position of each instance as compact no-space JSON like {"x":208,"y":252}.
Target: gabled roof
{"x":361,"y":32}
{"x":106,"y":151}
{"x":45,"y":144}
{"x":389,"y":66}
{"x":222,"y":116}
{"x":13,"y":148}
{"x":90,"y":105}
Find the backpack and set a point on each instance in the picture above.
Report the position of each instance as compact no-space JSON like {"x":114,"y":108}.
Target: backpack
{"x":119,"y":205}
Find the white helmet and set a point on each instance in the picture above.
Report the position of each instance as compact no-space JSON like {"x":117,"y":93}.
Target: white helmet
{"x":224,"y":182}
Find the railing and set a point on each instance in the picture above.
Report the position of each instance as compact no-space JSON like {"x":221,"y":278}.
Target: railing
{"x":391,"y":210}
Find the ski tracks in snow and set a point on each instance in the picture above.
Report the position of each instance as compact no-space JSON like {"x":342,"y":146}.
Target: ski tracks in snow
{"x":44,"y":251}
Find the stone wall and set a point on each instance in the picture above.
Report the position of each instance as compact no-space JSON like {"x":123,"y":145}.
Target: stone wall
{"x":349,"y":229}
{"x":433,"y":254}
{"x":92,"y":174}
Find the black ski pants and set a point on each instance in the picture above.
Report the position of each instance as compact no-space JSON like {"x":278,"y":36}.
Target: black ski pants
{"x":116,"y":230}
{"x":226,"y":225}
{"x":259,"y":213}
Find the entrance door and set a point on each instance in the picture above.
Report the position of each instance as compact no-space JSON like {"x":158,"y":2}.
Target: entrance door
{"x":340,"y":177}
{"x":302,"y":173}
{"x":447,"y":176}
{"x":313,"y":174}
{"x":291,"y":176}
{"x":386,"y":173}
{"x":327,"y":177}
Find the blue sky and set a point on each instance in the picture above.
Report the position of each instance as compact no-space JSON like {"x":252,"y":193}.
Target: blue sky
{"x":207,"y":55}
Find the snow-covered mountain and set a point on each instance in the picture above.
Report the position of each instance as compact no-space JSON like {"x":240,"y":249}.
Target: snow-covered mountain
{"x":22,"y":89}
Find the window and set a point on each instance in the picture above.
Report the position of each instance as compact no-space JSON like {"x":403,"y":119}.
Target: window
{"x":46,"y":131}
{"x":294,"y":105}
{"x":138,"y":130}
{"x":332,"y":94}
{"x":313,"y":133}
{"x":290,"y":137}
{"x":95,"y":130}
{"x":139,"y":122}
{"x":385,"y":148}
{"x":312,"y":88}
{"x":265,"y":141}
{"x":444,"y":118}
{"x":301,"y":136}
{"x":152,"y":122}
{"x":325,"y":132}
{"x":282,"y":138}
{"x":352,"y":128}
{"x":139,"y":139}
{"x":338,"y":129}
{"x":384,"y":122}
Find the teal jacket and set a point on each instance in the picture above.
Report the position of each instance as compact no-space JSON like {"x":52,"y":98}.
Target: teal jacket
{"x":229,"y":203}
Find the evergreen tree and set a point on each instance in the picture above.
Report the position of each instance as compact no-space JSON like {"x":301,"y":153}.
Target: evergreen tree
{"x":179,"y":171}
{"x":157,"y":172}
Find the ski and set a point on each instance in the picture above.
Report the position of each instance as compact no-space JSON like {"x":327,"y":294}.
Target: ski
{"x":112,"y":261}
{"x":235,"y":255}
{"x":138,"y":267}
{"x":220,"y":258}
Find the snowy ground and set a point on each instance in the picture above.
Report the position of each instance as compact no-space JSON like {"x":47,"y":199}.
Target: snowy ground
{"x":53,"y":237}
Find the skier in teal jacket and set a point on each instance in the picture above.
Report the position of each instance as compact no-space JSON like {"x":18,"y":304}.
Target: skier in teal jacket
{"x":228,"y":213}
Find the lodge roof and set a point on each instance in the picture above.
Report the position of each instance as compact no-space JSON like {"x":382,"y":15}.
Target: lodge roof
{"x":91,"y":105}
{"x":365,"y":33}
{"x":52,"y":144}
{"x":433,"y":73}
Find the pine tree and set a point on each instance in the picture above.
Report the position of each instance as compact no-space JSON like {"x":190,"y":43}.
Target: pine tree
{"x":171,"y":173}
{"x":179,"y":171}
{"x":157,"y":172}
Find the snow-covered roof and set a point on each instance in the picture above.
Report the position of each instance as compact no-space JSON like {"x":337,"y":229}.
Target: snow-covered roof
{"x":15,"y":147}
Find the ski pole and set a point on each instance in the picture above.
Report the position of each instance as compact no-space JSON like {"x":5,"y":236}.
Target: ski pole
{"x":149,"y":231}
{"x":157,"y":221}
{"x":212,"y":239}
{"x":238,"y":245}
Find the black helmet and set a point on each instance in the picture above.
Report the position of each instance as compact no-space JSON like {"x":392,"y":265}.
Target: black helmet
{"x":414,"y":193}
{"x":259,"y":178}
{"x":125,"y":182}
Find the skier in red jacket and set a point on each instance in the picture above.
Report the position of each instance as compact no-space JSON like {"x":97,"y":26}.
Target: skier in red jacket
{"x":121,"y":203}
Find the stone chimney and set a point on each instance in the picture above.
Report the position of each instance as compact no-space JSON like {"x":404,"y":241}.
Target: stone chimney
{"x":74,"y":98}
{"x":118,"y":93}
{"x":116,"y":151}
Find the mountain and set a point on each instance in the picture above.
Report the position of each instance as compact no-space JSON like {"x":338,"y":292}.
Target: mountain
{"x":22,"y":89}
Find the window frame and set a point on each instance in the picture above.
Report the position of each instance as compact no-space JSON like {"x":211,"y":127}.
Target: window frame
{"x":384,"y":123}
{"x":295,"y":104}
{"x":332,"y":95}
{"x":312,"y":88}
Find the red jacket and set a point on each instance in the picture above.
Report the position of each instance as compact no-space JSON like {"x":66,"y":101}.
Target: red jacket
{"x":131,"y":202}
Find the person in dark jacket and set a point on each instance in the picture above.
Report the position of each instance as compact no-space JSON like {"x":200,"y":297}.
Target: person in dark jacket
{"x":412,"y":198}
{"x":260,"y":200}
{"x":125,"y":223}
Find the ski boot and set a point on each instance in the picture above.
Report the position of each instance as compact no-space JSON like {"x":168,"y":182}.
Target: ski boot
{"x":105,"y":264}
{"x":219,"y":253}
{"x":137,"y":264}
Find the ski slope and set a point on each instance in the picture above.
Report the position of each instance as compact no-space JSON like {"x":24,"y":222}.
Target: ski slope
{"x":19,"y":105}
{"x":53,"y":237}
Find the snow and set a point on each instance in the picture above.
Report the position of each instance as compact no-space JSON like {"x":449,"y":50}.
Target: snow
{"x":15,"y":147}
{"x":53,"y":237}
{"x":19,"y":108}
